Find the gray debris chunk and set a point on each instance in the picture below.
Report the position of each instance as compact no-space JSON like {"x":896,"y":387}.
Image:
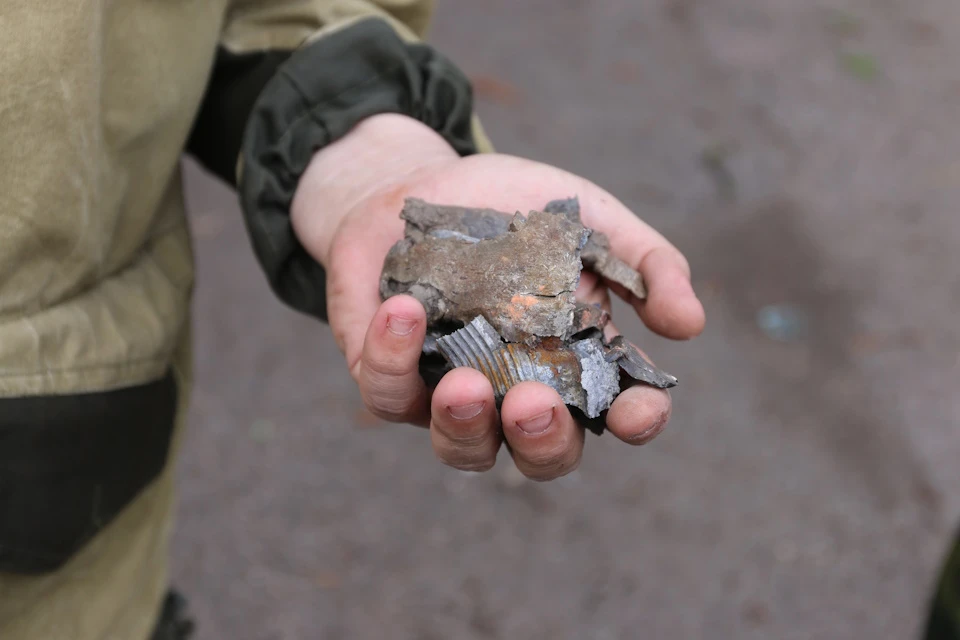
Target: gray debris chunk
{"x":567,"y":207}
{"x":521,"y":281}
{"x":424,"y":218}
{"x":600,"y":379}
{"x":636,"y":366}
{"x":596,"y":254}
{"x":598,"y":258}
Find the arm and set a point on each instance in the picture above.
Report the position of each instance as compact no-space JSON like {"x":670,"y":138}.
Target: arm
{"x":326,"y":161}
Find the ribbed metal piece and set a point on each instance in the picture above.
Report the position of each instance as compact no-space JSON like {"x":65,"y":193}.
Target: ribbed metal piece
{"x":479,"y":347}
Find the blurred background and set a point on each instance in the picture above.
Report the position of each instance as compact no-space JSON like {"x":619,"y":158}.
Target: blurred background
{"x":804,"y":156}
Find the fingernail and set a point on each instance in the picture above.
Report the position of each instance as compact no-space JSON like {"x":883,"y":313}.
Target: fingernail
{"x":537,"y":424}
{"x":400,"y":326}
{"x":654,"y":430}
{"x":466,"y":411}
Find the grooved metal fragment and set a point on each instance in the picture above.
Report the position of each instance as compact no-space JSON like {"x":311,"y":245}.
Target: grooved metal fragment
{"x":578,"y":372}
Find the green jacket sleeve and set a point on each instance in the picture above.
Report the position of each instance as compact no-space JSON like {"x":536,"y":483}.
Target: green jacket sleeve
{"x":316,"y":97}
{"x":271,"y":104}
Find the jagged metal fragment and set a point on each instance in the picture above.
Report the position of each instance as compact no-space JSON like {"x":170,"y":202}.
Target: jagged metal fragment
{"x":598,"y":258}
{"x":599,"y":380}
{"x":636,"y":366}
{"x":596,"y":253}
{"x":578,"y":372}
{"x":521,"y":281}
{"x":498,"y":291}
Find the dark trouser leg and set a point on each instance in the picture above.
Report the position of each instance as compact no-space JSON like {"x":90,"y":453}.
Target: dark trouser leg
{"x":174,"y":623}
{"x":944,"y":620}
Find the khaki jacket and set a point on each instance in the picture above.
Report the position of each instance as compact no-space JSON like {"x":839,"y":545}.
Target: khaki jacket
{"x":98,"y":101}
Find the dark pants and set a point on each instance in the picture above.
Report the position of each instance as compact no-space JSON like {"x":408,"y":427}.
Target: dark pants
{"x":944,"y":620}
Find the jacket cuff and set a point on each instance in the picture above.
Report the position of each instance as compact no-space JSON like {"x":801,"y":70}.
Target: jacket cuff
{"x":235,"y":84}
{"x":316,"y":97}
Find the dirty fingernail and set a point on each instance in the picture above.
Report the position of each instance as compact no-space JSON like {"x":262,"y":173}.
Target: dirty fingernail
{"x":465,"y":411}
{"x":538,"y":423}
{"x":400,"y":326}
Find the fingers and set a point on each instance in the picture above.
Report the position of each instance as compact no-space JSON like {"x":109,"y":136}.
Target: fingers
{"x":639,"y":414}
{"x":544,"y":438}
{"x":353,"y":281}
{"x":464,"y":425}
{"x":387,"y":372}
{"x":671,"y":308}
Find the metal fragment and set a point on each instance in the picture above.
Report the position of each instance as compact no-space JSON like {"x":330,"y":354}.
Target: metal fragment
{"x":424,"y":218}
{"x":498,"y":291}
{"x":578,"y":372}
{"x":600,"y":380}
{"x":596,"y":254}
{"x":521,"y":281}
{"x":598,"y":258}
{"x":629,"y":358}
{"x":589,"y":316}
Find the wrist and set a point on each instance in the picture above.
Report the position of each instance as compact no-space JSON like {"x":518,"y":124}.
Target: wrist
{"x":379,"y":153}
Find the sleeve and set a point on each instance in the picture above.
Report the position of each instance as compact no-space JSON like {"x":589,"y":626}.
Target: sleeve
{"x":292,"y":76}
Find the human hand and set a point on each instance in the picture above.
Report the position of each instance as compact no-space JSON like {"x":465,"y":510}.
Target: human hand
{"x":346,"y":214}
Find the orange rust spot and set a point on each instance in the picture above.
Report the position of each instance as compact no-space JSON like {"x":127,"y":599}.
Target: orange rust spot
{"x":526,"y":301}
{"x":519,"y":304}
{"x":551,"y":342}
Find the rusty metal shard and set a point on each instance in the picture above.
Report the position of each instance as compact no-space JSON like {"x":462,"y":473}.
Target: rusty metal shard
{"x":636,"y":366}
{"x":578,"y":372}
{"x":521,"y":281}
{"x":598,"y":258}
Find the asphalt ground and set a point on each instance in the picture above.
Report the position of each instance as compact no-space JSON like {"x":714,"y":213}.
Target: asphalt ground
{"x":804,"y":156}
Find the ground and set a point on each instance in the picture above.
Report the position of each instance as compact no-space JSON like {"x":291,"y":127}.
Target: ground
{"x":804,"y":156}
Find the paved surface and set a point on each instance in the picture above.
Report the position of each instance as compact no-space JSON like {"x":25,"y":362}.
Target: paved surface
{"x":802,"y":154}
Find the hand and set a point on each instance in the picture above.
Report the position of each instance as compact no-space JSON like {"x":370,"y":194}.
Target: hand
{"x":346,"y":214}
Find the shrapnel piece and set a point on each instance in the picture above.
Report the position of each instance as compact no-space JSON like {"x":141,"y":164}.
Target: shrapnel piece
{"x":522,"y":281}
{"x":636,"y":366}
{"x":498,"y":290}
{"x":578,"y":372}
{"x":596,"y":253}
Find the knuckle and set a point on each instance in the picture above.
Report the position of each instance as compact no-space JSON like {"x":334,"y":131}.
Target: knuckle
{"x":477,"y":465}
{"x":473,"y":438}
{"x":391,"y":366}
{"x":556,"y":469}
{"x":552,"y":462}
{"x":480,"y":455}
{"x":553,"y":455}
{"x":390,"y":406}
